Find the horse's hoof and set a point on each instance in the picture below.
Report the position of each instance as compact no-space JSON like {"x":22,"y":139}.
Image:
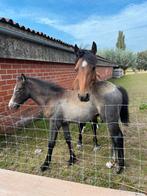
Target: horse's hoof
{"x":96,"y":148}
{"x":118,"y":169}
{"x":44,"y":167}
{"x":109,"y":164}
{"x":79,"y":146}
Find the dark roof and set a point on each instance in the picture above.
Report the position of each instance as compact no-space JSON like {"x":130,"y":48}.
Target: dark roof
{"x":42,"y":35}
{"x":17,"y":25}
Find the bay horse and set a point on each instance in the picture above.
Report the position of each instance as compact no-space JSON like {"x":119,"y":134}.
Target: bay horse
{"x":110,"y":100}
{"x":60,"y":106}
{"x":94,"y":124}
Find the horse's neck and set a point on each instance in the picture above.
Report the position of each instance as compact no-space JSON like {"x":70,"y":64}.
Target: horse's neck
{"x":42,"y":96}
{"x":39,"y":99}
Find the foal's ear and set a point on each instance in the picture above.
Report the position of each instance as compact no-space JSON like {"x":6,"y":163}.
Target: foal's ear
{"x":94,"y":48}
{"x":76,"y":49}
{"x":23,"y":77}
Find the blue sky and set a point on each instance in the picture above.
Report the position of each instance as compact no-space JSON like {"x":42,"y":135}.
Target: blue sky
{"x":83,"y":21}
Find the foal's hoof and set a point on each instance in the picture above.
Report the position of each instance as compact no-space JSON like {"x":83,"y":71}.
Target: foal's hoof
{"x":44,"y":167}
{"x":72,"y":161}
{"x":97,"y":147}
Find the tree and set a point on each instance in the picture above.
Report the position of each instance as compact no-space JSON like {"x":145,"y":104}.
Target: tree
{"x":123,"y":58}
{"x":142,"y":60}
{"x":120,"y":44}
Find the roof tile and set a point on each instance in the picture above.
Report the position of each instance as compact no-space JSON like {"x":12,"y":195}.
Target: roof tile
{"x":12,"y":23}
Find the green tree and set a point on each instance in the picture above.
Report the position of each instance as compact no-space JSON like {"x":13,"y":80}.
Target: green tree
{"x":123,"y":58}
{"x":120,"y":44}
{"x":142,"y":60}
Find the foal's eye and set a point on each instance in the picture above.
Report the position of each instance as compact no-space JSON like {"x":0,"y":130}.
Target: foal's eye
{"x":93,"y":68}
{"x":18,"y":90}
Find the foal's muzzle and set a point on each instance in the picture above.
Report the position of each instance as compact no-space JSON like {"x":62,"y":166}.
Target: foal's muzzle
{"x":85,"y":97}
{"x":14,"y":106}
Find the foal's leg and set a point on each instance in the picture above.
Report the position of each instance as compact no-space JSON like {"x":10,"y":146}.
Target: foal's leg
{"x":81,"y":127}
{"x":54,"y":132}
{"x":67,"y":137}
{"x":118,"y":145}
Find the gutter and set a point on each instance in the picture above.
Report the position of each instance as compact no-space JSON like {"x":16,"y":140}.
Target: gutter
{"x":29,"y":38}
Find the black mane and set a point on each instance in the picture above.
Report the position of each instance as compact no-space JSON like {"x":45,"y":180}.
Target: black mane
{"x":88,"y":56}
{"x":47,"y":85}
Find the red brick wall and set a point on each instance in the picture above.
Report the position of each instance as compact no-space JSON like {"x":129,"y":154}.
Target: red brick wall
{"x":105,"y":72}
{"x":62,"y":74}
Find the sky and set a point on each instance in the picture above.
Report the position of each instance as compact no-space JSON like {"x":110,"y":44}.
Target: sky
{"x":83,"y":21}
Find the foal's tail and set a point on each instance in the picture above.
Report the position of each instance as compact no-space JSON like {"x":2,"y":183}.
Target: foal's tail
{"x":124,"y":112}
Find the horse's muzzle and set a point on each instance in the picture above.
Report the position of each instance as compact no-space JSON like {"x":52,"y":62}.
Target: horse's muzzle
{"x":13,"y":106}
{"x":85,"y":97}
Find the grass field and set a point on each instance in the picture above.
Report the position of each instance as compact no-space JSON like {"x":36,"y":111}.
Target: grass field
{"x":18,"y":151}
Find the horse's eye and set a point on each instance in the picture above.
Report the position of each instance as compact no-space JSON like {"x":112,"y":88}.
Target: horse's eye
{"x":18,"y":90}
{"x":93,"y":69}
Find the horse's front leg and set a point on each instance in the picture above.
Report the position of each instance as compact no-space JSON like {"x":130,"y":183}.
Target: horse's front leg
{"x":81,"y":128}
{"x":53,"y":136}
{"x":94,"y":128}
{"x":67,"y":137}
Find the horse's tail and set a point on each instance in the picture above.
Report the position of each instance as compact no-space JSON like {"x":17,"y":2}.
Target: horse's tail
{"x":124,"y":112}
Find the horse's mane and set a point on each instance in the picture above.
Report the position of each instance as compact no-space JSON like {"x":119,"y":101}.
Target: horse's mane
{"x":47,"y":85}
{"x":88,"y":56}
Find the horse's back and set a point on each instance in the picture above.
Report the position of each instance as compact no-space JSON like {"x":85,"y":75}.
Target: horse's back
{"x":107,"y":92}
{"x":104,"y":87}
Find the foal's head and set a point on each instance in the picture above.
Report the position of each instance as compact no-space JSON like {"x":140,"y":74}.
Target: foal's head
{"x":86,"y":70}
{"x":20,"y":93}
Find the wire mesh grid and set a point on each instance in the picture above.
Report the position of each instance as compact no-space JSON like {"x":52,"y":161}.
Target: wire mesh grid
{"x":25,"y":150}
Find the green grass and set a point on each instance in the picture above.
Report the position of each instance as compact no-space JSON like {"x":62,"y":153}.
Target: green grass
{"x":17,"y":151}
{"x":143,"y":106}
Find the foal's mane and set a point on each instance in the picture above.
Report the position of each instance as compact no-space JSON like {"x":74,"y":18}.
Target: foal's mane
{"x":47,"y":85}
{"x":88,"y":56}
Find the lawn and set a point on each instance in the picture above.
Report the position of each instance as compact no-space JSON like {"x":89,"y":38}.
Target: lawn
{"x":26,"y":149}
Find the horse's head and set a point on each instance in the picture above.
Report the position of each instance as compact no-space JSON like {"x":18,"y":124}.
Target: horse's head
{"x":20,"y":93}
{"x":86,"y":70}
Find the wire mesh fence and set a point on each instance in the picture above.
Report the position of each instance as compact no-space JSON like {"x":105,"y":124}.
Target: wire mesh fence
{"x":25,"y":150}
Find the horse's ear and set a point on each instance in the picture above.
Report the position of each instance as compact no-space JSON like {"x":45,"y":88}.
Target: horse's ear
{"x":23,"y":77}
{"x":94,"y":48}
{"x":76,"y":49}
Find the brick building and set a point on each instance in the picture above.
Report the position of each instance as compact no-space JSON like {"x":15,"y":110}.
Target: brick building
{"x":23,"y":50}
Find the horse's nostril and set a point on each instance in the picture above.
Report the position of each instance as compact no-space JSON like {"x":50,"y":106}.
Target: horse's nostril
{"x":87,"y":96}
{"x":84,"y":97}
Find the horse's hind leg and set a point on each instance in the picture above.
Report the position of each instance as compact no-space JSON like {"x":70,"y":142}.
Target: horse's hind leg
{"x":94,"y":128}
{"x":54,"y":132}
{"x":67,"y":137}
{"x":117,"y":142}
{"x":114,"y":155}
{"x":81,"y":127}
